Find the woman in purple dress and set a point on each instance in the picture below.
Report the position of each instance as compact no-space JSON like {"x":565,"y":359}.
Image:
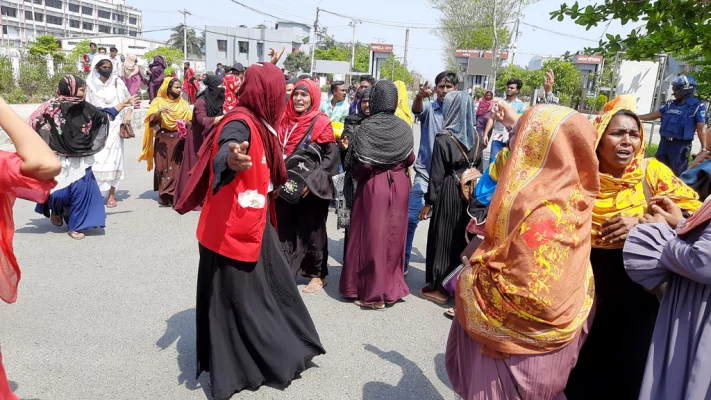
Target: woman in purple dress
{"x":378,"y":157}
{"x":679,"y":362}
{"x":207,"y":113}
{"x":133,"y":77}
{"x":157,"y":68}
{"x":483,"y":112}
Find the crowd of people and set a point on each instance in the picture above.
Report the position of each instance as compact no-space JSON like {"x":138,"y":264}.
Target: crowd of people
{"x":577,"y":266}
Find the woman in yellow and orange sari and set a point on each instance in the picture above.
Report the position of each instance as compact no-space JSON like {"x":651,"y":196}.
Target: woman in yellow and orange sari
{"x":167,"y":113}
{"x":523,"y":305}
{"x":612,"y":362}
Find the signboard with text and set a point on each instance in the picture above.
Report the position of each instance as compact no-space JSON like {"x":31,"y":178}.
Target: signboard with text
{"x":502,"y":55}
{"x":585,"y":59}
{"x":381,"y":48}
{"x":468,"y":53}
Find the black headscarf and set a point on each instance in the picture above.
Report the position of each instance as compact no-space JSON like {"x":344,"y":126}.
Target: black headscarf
{"x":382,"y":139}
{"x":214,"y":95}
{"x":71,"y":126}
{"x":365,"y":95}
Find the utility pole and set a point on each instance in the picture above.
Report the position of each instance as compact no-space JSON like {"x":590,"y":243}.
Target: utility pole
{"x":185,"y":33}
{"x":353,"y":43}
{"x":313,"y":46}
{"x":407,"y":42}
{"x":492,"y":83}
{"x":515,"y":35}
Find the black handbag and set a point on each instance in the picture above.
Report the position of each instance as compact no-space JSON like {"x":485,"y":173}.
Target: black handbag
{"x":305,"y":159}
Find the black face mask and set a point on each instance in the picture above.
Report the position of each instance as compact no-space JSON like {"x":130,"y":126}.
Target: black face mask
{"x":105,"y":72}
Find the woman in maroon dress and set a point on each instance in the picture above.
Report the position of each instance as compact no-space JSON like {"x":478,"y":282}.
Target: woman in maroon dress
{"x":378,"y":158}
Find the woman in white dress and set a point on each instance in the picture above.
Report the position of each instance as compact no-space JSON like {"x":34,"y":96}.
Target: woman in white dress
{"x":105,"y":89}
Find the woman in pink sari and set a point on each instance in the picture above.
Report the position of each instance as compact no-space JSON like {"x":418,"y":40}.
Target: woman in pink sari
{"x":133,"y":77}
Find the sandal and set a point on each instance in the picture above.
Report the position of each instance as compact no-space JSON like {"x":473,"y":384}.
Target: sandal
{"x":426,"y":293}
{"x":57,"y":219}
{"x":77,"y":235}
{"x":374,"y":306}
{"x":111,"y":203}
{"x":450,"y":312}
{"x":314,"y":287}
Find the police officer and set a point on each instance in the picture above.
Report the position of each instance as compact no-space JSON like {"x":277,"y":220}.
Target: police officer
{"x":681,"y":118}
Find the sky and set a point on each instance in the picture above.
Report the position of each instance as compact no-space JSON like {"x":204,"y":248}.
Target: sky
{"x":425,"y":48}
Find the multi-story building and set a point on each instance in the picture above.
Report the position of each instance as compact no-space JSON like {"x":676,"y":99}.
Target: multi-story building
{"x":228,"y":45}
{"x":24,"y":20}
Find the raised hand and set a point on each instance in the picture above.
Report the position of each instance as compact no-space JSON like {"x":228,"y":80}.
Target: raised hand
{"x":426,"y":91}
{"x":548,"y":81}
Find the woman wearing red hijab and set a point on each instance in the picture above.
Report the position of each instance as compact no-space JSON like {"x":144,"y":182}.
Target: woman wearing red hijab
{"x":252,"y":325}
{"x":302,"y":216}
{"x":232,"y":84}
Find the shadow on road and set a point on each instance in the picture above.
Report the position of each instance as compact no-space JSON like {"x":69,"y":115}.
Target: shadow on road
{"x":441,"y":370}
{"x":181,"y":331}
{"x":122,"y":195}
{"x":417,"y":256}
{"x":41,"y":226}
{"x":413,"y":384}
{"x":149,"y":195}
{"x":336,"y":249}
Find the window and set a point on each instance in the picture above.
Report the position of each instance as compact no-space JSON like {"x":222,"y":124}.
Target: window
{"x":120,"y":31}
{"x":104,"y":29}
{"x":74,"y":23}
{"x":74,"y":7}
{"x":104,"y":14}
{"x":118,"y":17}
{"x":28,"y":15}
{"x":8,"y":12}
{"x":4,"y":29}
{"x":132,"y":33}
{"x":39,"y":17}
{"x":87,"y":10}
{"x":51,"y":19}
{"x":54,"y":3}
{"x":38,"y":1}
{"x":221,"y":48}
{"x":243,"y":47}
{"x":87,"y":26}
{"x":132,"y":20}
{"x":260,"y":51}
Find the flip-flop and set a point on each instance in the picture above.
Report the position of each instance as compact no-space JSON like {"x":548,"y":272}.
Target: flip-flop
{"x":314,"y":287}
{"x":424,"y":293}
{"x":449,"y":313}
{"x":76,"y":235}
{"x":111,"y":204}
{"x":374,"y":306}
{"x":56,"y":217}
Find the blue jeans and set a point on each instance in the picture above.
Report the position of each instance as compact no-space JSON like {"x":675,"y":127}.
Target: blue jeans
{"x":496,"y":147}
{"x":417,"y":201}
{"x":674,"y":155}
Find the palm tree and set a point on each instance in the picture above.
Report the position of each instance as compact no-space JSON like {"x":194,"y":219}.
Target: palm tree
{"x":195,"y":43}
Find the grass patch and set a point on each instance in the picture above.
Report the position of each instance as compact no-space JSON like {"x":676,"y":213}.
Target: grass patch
{"x":651,"y":149}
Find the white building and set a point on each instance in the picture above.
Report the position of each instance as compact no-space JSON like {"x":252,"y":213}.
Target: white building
{"x":537,"y":62}
{"x":124,"y":44}
{"x":24,"y":20}
{"x":228,"y":45}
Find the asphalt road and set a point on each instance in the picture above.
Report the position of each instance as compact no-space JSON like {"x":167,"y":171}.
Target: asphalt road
{"x":113,"y":316}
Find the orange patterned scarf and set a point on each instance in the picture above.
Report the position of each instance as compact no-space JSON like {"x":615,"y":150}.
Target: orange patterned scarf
{"x":530,"y":287}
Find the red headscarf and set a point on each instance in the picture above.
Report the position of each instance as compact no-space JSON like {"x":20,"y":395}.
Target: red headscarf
{"x":231,"y":83}
{"x":261,"y":99}
{"x":485,"y":105}
{"x":295,"y":125}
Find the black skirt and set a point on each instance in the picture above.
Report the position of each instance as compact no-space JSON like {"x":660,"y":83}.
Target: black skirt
{"x":611,"y":363}
{"x":252,"y":326}
{"x":303,"y":235}
{"x":445,"y":238}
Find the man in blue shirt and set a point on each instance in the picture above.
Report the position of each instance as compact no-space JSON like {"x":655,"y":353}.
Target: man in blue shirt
{"x":681,"y":119}
{"x":336,"y":107}
{"x":500,"y":135}
{"x":220,"y":72}
{"x":431,"y":121}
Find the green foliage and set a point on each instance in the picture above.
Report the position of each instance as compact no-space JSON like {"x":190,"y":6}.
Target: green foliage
{"x":195,"y":43}
{"x":565,"y":99}
{"x":46,"y":45}
{"x":170,"y":54}
{"x":400,"y":72}
{"x":567,"y":78}
{"x":297,"y":62}
{"x":597,"y":104}
{"x":695,"y":58}
{"x":479,"y":92}
{"x":342,"y":52}
{"x":668,"y":26}
{"x":7,"y":81}
{"x":514,"y":71}
{"x":80,"y":49}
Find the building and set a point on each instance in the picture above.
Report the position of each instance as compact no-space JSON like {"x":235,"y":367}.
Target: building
{"x":537,"y":62}
{"x":477,"y":65}
{"x":124,"y":44}
{"x":227,"y":45}
{"x":588,"y":66}
{"x":24,"y":20}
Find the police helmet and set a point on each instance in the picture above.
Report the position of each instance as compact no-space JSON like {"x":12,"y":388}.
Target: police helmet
{"x":686,"y":85}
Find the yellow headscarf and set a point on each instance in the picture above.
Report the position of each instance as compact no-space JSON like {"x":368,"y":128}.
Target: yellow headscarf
{"x":625,"y":196}
{"x":403,"y":108}
{"x":179,"y":110}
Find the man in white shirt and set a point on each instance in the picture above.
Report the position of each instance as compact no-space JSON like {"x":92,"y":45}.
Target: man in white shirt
{"x":116,"y":61}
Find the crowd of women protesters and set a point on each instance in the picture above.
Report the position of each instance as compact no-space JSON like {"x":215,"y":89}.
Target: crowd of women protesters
{"x":577,"y":267}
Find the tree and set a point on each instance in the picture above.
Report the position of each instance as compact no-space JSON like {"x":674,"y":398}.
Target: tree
{"x":401,"y":73}
{"x":47,"y":45}
{"x":514,"y":71}
{"x":342,"y":52}
{"x":195,"y":43}
{"x":567,"y":78}
{"x":297,"y":62}
{"x":81,"y":48}
{"x":670,"y":26}
{"x":170,"y":54}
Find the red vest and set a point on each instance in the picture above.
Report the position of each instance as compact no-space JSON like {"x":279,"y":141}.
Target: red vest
{"x":232,"y":220}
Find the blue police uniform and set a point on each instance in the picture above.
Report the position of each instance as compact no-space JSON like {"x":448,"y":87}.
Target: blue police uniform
{"x":677,"y":131}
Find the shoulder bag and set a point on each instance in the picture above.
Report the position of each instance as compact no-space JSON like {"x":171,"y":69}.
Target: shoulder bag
{"x":299,"y":165}
{"x":125,"y":130}
{"x":468,"y":178}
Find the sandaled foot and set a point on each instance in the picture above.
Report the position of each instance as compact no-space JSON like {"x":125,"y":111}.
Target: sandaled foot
{"x":77,"y":235}
{"x":315,"y":286}
{"x":450,"y":312}
{"x":374,"y":306}
{"x":433,"y":296}
{"x":57,"y":220}
{"x":111,"y":203}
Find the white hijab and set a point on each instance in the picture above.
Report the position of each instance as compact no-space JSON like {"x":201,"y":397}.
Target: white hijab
{"x":101,"y":94}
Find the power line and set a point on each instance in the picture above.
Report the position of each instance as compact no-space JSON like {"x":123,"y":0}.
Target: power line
{"x":559,"y":33}
{"x":263,"y":13}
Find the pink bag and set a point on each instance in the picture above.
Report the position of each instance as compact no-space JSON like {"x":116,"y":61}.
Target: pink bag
{"x":182,"y":129}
